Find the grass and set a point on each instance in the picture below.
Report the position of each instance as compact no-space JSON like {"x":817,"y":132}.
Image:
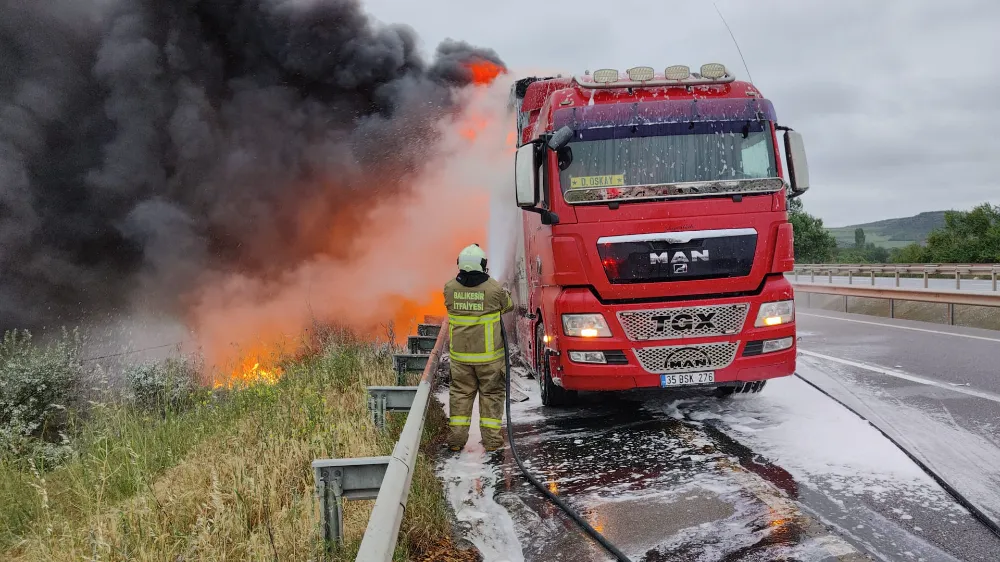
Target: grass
{"x":228,"y":478}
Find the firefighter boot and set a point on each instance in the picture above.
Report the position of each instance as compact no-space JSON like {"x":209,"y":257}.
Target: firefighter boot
{"x":462,"y":393}
{"x":492,"y":392}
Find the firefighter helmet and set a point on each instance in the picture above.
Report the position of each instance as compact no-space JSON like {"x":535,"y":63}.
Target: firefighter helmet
{"x":472,"y":258}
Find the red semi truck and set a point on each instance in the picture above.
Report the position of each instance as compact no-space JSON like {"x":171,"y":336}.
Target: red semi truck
{"x":654,"y":235}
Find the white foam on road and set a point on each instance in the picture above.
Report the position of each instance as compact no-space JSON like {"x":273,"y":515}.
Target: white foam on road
{"x":470,"y":485}
{"x":968,"y":461}
{"x":816,"y":440}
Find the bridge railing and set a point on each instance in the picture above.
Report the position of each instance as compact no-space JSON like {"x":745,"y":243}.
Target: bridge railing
{"x":898,"y":271}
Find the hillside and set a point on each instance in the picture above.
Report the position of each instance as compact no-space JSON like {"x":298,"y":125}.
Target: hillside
{"x":892,"y":233}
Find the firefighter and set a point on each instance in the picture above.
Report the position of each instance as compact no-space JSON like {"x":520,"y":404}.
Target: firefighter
{"x":475,"y":302}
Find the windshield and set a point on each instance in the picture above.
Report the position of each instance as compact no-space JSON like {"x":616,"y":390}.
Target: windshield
{"x":654,"y":155}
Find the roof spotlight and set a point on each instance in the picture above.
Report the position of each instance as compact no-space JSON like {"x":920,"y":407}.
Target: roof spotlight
{"x":677,"y":72}
{"x":713,"y":70}
{"x":605,"y":76}
{"x":640,"y":73}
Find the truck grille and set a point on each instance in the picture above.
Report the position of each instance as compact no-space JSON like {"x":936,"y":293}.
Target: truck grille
{"x":684,"y":322}
{"x":687,"y":358}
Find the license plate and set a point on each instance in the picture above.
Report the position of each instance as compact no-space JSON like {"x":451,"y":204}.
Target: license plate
{"x":682,"y":379}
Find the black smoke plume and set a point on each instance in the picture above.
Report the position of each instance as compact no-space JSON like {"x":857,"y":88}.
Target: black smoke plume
{"x":144,"y":143}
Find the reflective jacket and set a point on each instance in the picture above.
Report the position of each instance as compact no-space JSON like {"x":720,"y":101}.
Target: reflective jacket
{"x":474,"y":320}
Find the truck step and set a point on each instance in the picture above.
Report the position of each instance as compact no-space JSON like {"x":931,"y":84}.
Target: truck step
{"x":421,"y":344}
{"x":428,"y":330}
{"x":411,"y":361}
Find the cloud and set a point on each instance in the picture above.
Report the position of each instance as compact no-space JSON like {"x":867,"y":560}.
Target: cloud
{"x":896,"y":99}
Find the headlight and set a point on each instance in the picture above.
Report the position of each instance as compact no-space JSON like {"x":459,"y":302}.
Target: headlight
{"x":585,"y":326}
{"x":775,"y":313}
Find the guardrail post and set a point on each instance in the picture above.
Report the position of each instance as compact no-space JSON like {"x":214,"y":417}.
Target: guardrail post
{"x":845,"y":304}
{"x":376,"y":407}
{"x":873,"y":278}
{"x":925,"y":279}
{"x":892,"y":308}
{"x":897,"y":277}
{"x":993,"y":278}
{"x":812,"y":275}
{"x":951,"y":314}
{"x":345,"y":479}
{"x":829,"y":273}
{"x":382,"y":399}
{"x":850,"y":277}
{"x":796,"y":275}
{"x":958,"y":279}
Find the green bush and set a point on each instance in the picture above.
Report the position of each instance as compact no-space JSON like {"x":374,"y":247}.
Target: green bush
{"x":37,"y":389}
{"x":163,"y":386}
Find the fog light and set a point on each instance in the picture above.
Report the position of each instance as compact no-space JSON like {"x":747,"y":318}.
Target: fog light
{"x":587,"y":357}
{"x":770,"y":346}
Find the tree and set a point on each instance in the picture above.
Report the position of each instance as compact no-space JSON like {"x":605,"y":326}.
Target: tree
{"x":813,"y":244}
{"x":967,"y":237}
{"x":870,"y":253}
{"x":859,"y":238}
{"x":914,"y":253}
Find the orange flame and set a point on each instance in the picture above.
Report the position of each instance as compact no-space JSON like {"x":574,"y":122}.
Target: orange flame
{"x":377,"y":259}
{"x":484,"y":72}
{"x":256,"y":366}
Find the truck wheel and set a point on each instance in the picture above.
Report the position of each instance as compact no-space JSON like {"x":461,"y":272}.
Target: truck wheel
{"x":552,"y":395}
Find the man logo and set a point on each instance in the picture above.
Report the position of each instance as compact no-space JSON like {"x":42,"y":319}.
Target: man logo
{"x":687,"y":358}
{"x":680,"y":268}
{"x":677,"y":257}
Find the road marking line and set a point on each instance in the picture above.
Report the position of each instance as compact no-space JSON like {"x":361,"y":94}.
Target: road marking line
{"x":902,"y":375}
{"x":984,"y":338}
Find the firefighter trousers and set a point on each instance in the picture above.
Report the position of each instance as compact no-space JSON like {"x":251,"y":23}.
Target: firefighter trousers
{"x":488,"y":379}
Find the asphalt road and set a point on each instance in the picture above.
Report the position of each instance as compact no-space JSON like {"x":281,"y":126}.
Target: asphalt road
{"x":938,"y":352}
{"x":935,"y":388}
{"x":681,"y":476}
{"x":785,"y":475}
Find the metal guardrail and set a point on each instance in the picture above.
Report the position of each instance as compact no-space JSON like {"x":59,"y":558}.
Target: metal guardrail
{"x":385,"y":479}
{"x":893,"y":294}
{"x":896,"y":270}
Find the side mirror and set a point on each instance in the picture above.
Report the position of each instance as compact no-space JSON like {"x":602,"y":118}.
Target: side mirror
{"x":561,"y":138}
{"x":798,"y":168}
{"x":526,"y":175}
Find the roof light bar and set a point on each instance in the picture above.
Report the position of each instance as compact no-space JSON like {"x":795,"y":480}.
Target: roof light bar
{"x":606,"y":76}
{"x":678,"y":75}
{"x":677,"y":72}
{"x":640,"y":73}
{"x":713,"y":70}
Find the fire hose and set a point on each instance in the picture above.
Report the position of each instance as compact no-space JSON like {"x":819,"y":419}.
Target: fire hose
{"x":570,"y":512}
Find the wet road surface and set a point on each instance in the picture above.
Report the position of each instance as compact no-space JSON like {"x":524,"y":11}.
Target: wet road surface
{"x":686,"y":476}
{"x":935,"y":388}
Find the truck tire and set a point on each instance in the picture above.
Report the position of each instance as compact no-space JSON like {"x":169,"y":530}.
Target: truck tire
{"x":752,"y":387}
{"x":552,"y":394}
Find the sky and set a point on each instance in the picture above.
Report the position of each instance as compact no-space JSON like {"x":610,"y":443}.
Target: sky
{"x":897,"y":100}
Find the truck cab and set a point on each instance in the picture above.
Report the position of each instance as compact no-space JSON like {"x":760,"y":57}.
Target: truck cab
{"x":655,"y":234}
